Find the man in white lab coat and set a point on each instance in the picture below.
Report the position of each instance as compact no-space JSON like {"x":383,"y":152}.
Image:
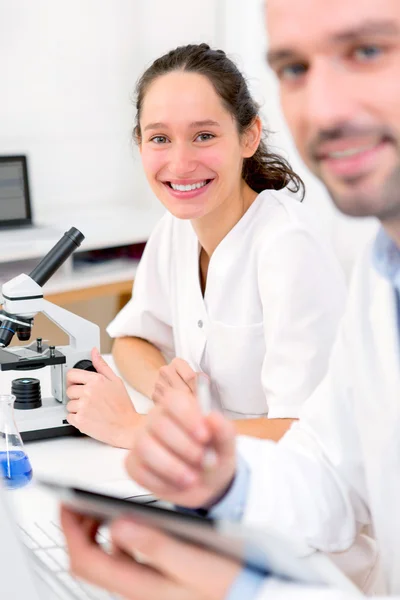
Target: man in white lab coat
{"x":338,"y":469}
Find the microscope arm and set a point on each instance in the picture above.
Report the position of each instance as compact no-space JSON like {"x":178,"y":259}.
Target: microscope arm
{"x":82,"y":333}
{"x":24,"y":297}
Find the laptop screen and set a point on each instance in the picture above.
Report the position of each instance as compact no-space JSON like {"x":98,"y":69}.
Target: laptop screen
{"x":14,"y":192}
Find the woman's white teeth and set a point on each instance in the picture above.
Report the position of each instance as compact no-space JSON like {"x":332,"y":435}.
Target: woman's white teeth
{"x":188,"y":188}
{"x":351,"y":151}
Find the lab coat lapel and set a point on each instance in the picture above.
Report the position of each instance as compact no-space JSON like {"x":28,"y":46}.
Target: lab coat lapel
{"x":193,"y":307}
{"x":383,"y":447}
{"x":383,"y":319}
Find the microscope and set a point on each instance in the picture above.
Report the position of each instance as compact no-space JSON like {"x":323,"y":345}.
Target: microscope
{"x":22,"y":299}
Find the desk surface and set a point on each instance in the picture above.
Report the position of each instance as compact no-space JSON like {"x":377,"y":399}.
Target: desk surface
{"x":83,"y":461}
{"x":119,"y":226}
{"x":21,"y":249}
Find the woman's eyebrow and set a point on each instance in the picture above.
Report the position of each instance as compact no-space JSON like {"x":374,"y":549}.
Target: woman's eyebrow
{"x":204,"y":123}
{"x":155,"y":126}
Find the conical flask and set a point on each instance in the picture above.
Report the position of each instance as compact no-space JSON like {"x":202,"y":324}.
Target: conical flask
{"x":15,"y":468}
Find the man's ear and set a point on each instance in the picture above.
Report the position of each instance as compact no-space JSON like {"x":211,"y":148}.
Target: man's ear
{"x":251,"y":138}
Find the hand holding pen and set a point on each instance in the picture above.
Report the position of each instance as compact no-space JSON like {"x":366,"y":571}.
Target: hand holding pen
{"x":203,"y":393}
{"x":183,"y":452}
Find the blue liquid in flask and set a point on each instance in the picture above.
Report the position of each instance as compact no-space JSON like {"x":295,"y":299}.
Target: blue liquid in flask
{"x":15,"y":468}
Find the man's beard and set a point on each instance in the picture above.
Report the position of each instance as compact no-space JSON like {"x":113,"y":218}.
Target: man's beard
{"x":358,"y":200}
{"x":383,"y":203}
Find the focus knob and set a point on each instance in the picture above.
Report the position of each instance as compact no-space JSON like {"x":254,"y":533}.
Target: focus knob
{"x":27,"y":393}
{"x":85,"y":365}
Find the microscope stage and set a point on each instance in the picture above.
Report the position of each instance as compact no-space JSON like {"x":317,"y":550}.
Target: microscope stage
{"x":27,"y":358}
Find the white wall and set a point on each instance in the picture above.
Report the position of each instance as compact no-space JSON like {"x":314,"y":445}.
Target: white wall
{"x":67,"y":74}
{"x":65,"y":97}
{"x":244,"y":38}
{"x":166,"y":24}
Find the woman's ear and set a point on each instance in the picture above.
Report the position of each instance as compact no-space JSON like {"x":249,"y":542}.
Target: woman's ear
{"x":251,"y":138}
{"x":137,"y":138}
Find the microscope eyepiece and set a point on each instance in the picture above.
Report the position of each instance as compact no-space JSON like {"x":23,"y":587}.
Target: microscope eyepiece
{"x":70,"y":241}
{"x":12,"y":324}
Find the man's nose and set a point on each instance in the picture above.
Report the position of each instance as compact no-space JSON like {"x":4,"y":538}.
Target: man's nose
{"x":182,"y":160}
{"x":330,"y":99}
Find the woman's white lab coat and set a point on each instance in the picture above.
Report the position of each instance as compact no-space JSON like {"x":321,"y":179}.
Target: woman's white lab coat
{"x":265,"y":328}
{"x":338,"y":468}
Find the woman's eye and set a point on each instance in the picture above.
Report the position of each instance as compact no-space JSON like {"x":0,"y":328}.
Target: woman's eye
{"x":292,"y":72}
{"x":159,"y":139}
{"x":204,"y":137}
{"x":367,"y":53}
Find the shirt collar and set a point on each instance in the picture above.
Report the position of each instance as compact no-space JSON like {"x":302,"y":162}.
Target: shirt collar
{"x":386,"y":258}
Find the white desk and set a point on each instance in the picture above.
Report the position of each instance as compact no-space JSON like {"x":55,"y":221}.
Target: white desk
{"x":104,"y":228}
{"x":90,"y":463}
{"x":83,"y":461}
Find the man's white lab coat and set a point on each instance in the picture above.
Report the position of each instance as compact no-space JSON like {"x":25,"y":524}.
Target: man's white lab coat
{"x":338,"y":468}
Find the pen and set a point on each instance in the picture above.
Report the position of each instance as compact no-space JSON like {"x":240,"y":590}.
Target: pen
{"x":204,"y":394}
{"x":204,"y":399}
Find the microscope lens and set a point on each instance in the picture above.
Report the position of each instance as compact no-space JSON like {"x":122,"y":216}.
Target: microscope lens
{"x":23,"y":334}
{"x":7,"y":330}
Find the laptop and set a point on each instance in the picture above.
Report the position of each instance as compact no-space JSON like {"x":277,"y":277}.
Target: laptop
{"x":32,"y":563}
{"x":15,"y":201}
{"x":34,"y":559}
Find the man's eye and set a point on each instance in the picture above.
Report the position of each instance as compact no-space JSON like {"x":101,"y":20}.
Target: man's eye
{"x":205,"y":137}
{"x":159,"y":139}
{"x":367,"y":53}
{"x":292,"y":72}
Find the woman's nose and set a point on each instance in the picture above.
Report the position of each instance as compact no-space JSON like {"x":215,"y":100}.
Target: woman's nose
{"x":182,"y":161}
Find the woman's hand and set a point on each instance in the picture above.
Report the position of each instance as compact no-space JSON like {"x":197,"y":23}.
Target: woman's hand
{"x":181,"y":455}
{"x":177,"y":375}
{"x":173,"y":570}
{"x":99,"y":404}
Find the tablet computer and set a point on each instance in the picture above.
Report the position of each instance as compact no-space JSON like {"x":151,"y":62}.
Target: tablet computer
{"x":261,"y":549}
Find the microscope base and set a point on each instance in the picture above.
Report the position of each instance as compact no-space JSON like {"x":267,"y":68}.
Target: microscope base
{"x":48,"y":421}
{"x":47,"y":434}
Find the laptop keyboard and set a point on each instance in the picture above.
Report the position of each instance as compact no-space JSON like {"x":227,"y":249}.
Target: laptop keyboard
{"x":46,"y":540}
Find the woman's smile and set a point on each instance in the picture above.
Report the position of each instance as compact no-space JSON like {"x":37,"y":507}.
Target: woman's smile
{"x":182,"y":189}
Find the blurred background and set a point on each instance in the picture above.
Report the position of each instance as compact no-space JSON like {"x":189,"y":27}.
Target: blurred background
{"x":67,"y":74}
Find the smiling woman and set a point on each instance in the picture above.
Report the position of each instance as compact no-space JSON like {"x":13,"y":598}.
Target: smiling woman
{"x":206,"y":110}
{"x":235,"y":281}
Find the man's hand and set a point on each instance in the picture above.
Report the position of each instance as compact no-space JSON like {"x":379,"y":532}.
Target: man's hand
{"x":173,"y":570}
{"x":181,"y":455}
{"x":177,"y":375}
{"x":99,"y":404}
